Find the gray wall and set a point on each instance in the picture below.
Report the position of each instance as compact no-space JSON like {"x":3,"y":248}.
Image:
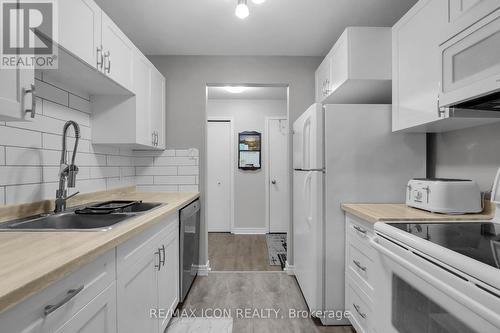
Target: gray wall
{"x":250,"y":186}
{"x":472,"y":153}
{"x":187,"y":77}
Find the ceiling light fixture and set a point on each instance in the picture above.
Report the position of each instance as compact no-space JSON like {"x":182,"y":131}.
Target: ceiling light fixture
{"x":258,"y":2}
{"x":235,"y":89}
{"x":242,"y":11}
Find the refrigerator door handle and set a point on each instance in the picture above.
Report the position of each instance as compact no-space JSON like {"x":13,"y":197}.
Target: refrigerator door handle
{"x":305,"y":144}
{"x":307,"y":181}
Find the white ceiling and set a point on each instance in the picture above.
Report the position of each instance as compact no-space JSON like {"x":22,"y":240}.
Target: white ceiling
{"x":267,"y":93}
{"x":277,"y":27}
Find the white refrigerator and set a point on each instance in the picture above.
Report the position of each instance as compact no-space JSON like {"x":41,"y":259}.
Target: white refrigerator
{"x":342,"y":154}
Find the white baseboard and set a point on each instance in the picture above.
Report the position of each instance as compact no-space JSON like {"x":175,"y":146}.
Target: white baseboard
{"x":204,"y":269}
{"x":249,"y":231}
{"x":289,"y":269}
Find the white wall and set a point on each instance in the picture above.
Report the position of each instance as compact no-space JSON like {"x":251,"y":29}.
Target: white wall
{"x":250,"y":186}
{"x":187,"y":77}
{"x":472,"y":153}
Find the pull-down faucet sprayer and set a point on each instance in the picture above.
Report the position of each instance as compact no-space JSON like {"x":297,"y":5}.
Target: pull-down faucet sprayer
{"x":67,"y":172}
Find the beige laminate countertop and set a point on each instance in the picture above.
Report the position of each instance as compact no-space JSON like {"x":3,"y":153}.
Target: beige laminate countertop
{"x":31,"y":261}
{"x":400,"y":212}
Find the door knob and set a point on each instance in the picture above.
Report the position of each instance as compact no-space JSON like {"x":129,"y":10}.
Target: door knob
{"x":273,"y":182}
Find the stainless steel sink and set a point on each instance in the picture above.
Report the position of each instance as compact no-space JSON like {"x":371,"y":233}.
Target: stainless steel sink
{"x":71,"y":221}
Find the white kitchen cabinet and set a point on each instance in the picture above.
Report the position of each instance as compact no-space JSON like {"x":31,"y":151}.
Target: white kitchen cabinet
{"x":360,"y":262}
{"x":148,"y":278}
{"x":99,"y":316}
{"x":86,"y":297}
{"x":80,"y":30}
{"x":118,"y":53}
{"x":17,"y":93}
{"x":464,"y":13}
{"x":323,"y":78}
{"x":157,"y":115}
{"x":137,"y":122}
{"x":168,"y":275}
{"x":357,"y":69}
{"x":416,"y":65}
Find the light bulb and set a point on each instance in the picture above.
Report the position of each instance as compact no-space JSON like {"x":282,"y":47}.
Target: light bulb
{"x":242,"y":11}
{"x":258,"y":2}
{"x":235,"y":89}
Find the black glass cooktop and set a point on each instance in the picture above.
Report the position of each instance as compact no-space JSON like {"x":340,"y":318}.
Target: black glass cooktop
{"x":480,"y":241}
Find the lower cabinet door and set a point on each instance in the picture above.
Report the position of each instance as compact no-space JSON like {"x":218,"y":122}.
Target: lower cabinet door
{"x":137,"y":296}
{"x":99,"y":316}
{"x":168,"y":277}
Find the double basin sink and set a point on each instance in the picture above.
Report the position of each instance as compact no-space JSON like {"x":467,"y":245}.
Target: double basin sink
{"x":100,"y":216}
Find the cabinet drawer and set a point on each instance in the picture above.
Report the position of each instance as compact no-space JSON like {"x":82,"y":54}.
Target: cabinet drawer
{"x":143,"y":244}
{"x":359,"y":306}
{"x":29,"y":315}
{"x":361,"y":268}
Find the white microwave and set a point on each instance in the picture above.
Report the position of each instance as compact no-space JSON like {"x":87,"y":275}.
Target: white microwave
{"x":470,"y":67}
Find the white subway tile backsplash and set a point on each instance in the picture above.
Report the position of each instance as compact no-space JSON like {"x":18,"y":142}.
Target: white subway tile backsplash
{"x":188,"y":170}
{"x":10,"y":136}
{"x":175,"y":180}
{"x":29,"y":193}
{"x":30,"y":154}
{"x":27,"y":156}
{"x":144,"y":180}
{"x":143,"y":161}
{"x":11,"y":175}
{"x":175,"y":161}
{"x":188,"y":188}
{"x":51,"y":93}
{"x":78,"y":103}
{"x":158,"y":188}
{"x":61,"y":112}
{"x":156,"y":171}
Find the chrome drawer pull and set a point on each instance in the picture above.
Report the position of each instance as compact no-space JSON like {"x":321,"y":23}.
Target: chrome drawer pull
{"x":358,"y":264}
{"x":164,"y":255}
{"x":363,"y":315}
{"x":361,"y":230}
{"x":31,"y":91}
{"x":71,"y":293}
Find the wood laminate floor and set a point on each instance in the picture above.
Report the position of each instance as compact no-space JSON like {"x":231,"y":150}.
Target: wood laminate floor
{"x":228,"y":252}
{"x":267,"y":296}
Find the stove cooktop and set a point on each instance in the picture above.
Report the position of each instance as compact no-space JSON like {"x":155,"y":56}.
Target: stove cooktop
{"x":479,"y":241}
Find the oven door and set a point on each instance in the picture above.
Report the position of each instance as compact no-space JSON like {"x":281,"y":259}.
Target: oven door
{"x":417,"y":296}
{"x":470,"y":63}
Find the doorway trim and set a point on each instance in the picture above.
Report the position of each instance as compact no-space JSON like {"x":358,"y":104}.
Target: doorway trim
{"x":231,"y":157}
{"x":267,"y":160}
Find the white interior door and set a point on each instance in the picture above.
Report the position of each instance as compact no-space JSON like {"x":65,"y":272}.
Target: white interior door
{"x":218,"y":176}
{"x":279,"y":197}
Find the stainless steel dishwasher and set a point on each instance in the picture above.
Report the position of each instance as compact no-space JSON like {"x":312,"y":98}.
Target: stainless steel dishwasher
{"x":189,"y":246}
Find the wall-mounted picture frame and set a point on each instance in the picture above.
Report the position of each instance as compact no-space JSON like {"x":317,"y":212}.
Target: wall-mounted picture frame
{"x":250,"y":150}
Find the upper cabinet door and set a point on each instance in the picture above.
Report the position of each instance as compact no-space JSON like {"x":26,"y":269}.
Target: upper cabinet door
{"x":17,"y":91}
{"x":118,"y":52}
{"x":464,"y":13}
{"x":416,"y":64}
{"x":323,"y":79}
{"x":158,"y":108}
{"x":142,"y":88}
{"x":80,"y":30}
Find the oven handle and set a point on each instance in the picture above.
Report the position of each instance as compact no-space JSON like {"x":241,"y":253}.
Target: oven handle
{"x":473,"y":305}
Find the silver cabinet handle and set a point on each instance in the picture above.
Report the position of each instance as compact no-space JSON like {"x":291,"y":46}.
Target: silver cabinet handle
{"x":358,"y":310}
{"x":107,"y":68}
{"x":100,"y":58}
{"x":70,"y":294}
{"x":159,"y":260}
{"x":358,"y":264}
{"x":359,"y":229}
{"x":153,"y":138}
{"x":31,"y":91}
{"x":164,"y":255}
{"x":441,"y":111}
